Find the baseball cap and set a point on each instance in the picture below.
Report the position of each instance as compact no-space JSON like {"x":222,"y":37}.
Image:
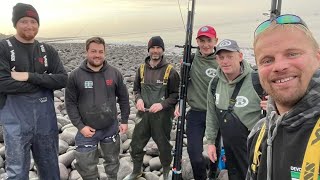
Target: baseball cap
{"x":207,"y":31}
{"x":227,"y":44}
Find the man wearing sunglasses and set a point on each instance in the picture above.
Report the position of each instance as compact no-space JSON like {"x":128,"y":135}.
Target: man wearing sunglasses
{"x":286,"y":144}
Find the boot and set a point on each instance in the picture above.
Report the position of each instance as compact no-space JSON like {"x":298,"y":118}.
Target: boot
{"x":136,"y":173}
{"x":166,"y":173}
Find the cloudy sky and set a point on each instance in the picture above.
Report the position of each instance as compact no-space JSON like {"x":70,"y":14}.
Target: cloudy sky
{"x":138,"y":20}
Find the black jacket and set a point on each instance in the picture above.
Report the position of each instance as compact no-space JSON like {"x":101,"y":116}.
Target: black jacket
{"x":28,"y":59}
{"x":91,"y":97}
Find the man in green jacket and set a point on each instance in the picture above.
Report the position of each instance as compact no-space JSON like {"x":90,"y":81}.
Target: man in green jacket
{"x":233,"y":120}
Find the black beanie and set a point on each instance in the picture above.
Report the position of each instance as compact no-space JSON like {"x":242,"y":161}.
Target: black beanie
{"x":21,"y":10}
{"x":156,"y":41}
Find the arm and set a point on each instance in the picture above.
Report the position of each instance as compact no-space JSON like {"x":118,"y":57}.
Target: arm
{"x":123,"y":100}
{"x":137,"y":86}
{"x":212,"y":126}
{"x":8,"y":85}
{"x":71,"y":102}
{"x":173,"y":90}
{"x":56,"y":77}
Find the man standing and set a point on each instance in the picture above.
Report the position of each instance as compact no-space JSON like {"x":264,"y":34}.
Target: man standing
{"x":156,"y":89}
{"x":233,"y":108}
{"x":286,"y":144}
{"x":29,"y":72}
{"x":203,"y":69}
{"x":91,"y":97}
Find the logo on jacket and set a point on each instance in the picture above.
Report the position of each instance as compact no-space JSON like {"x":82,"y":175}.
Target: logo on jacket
{"x":43,"y":99}
{"x":88,"y":84}
{"x":241,"y":101}
{"x":210,"y":72}
{"x":109,"y":82}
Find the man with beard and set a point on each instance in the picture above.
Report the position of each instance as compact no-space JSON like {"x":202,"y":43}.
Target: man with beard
{"x":91,"y":97}
{"x":156,"y":89}
{"x":29,"y":72}
{"x":286,"y":144}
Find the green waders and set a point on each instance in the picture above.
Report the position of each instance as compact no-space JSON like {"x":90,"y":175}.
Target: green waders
{"x":156,"y":125}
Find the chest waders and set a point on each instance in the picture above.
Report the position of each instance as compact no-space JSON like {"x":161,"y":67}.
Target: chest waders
{"x":29,"y":123}
{"x":234,"y":134}
{"x":156,"y":125}
{"x":311,"y":161}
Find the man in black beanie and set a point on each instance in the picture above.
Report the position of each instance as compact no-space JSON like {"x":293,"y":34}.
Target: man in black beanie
{"x":29,"y":73}
{"x":156,"y":90}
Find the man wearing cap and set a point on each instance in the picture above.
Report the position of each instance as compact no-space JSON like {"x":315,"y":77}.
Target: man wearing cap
{"x":29,"y":73}
{"x":156,"y":90}
{"x":233,"y":109}
{"x":203,"y":69}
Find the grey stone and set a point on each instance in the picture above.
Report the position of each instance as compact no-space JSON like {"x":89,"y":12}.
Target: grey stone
{"x":155,"y":164}
{"x":64,"y":173}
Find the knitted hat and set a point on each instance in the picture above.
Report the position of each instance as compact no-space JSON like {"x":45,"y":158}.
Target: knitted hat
{"x":21,"y":10}
{"x":156,"y":41}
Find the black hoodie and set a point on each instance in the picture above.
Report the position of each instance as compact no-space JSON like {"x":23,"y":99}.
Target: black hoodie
{"x":91,"y":97}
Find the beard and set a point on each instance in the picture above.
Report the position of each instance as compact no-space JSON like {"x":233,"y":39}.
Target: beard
{"x":155,"y":57}
{"x":94,"y":63}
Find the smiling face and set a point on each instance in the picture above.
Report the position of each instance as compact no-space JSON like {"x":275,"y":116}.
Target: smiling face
{"x":95,"y":55}
{"x":206,"y":44}
{"x":229,"y":63}
{"x":27,"y":29}
{"x":287,"y":59}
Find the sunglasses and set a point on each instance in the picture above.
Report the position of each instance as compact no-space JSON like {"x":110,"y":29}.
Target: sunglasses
{"x":282,"y":19}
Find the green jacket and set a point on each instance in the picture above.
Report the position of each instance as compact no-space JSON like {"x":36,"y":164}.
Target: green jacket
{"x":247,"y":107}
{"x":203,"y":69}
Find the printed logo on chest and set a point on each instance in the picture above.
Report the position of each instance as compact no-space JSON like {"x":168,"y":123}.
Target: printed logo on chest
{"x":88,"y":84}
{"x":211,"y":72}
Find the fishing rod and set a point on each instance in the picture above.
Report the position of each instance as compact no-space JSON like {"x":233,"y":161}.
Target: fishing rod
{"x":275,"y":8}
{"x":184,"y":74}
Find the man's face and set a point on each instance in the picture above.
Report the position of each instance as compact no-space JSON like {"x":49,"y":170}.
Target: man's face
{"x":229,"y":62}
{"x":155,"y":53}
{"x":286,"y":62}
{"x":206,"y":44}
{"x":95,"y":54}
{"x":27,"y":28}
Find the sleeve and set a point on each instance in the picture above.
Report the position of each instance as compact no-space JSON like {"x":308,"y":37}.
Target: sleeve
{"x":71,"y":101}
{"x":137,"y":86}
{"x":212,"y":126}
{"x":173,"y":90}
{"x":7,"y":84}
{"x":123,"y":99}
{"x":56,"y":77}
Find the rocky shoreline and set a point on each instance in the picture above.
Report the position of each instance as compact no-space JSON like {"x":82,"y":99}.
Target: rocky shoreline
{"x":126,"y":58}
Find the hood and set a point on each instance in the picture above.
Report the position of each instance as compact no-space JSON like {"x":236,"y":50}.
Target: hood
{"x":162,"y":62}
{"x":87,"y":69}
{"x":245,"y":70}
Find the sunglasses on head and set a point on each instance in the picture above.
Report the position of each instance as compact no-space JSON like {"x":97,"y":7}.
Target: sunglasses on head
{"x":282,"y":19}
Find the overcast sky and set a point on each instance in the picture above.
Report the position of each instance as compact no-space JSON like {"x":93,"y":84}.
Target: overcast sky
{"x":137,"y":20}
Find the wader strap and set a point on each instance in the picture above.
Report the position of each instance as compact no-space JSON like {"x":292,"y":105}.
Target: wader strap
{"x":311,"y":160}
{"x":142,"y":73}
{"x":166,"y":75}
{"x":13,"y":57}
{"x":257,"y":153}
{"x":234,"y":95}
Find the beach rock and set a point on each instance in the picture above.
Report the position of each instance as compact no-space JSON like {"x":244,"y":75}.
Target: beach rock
{"x":151,"y":176}
{"x":64,"y":173}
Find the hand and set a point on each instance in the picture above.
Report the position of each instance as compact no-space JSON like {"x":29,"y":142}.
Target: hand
{"x":155,"y":108}
{"x":177,"y":112}
{"x":212,"y":152}
{"x":20,"y":76}
{"x":264,"y":103}
{"x":140,"y":105}
{"x":123,"y":128}
{"x":87,"y":131}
